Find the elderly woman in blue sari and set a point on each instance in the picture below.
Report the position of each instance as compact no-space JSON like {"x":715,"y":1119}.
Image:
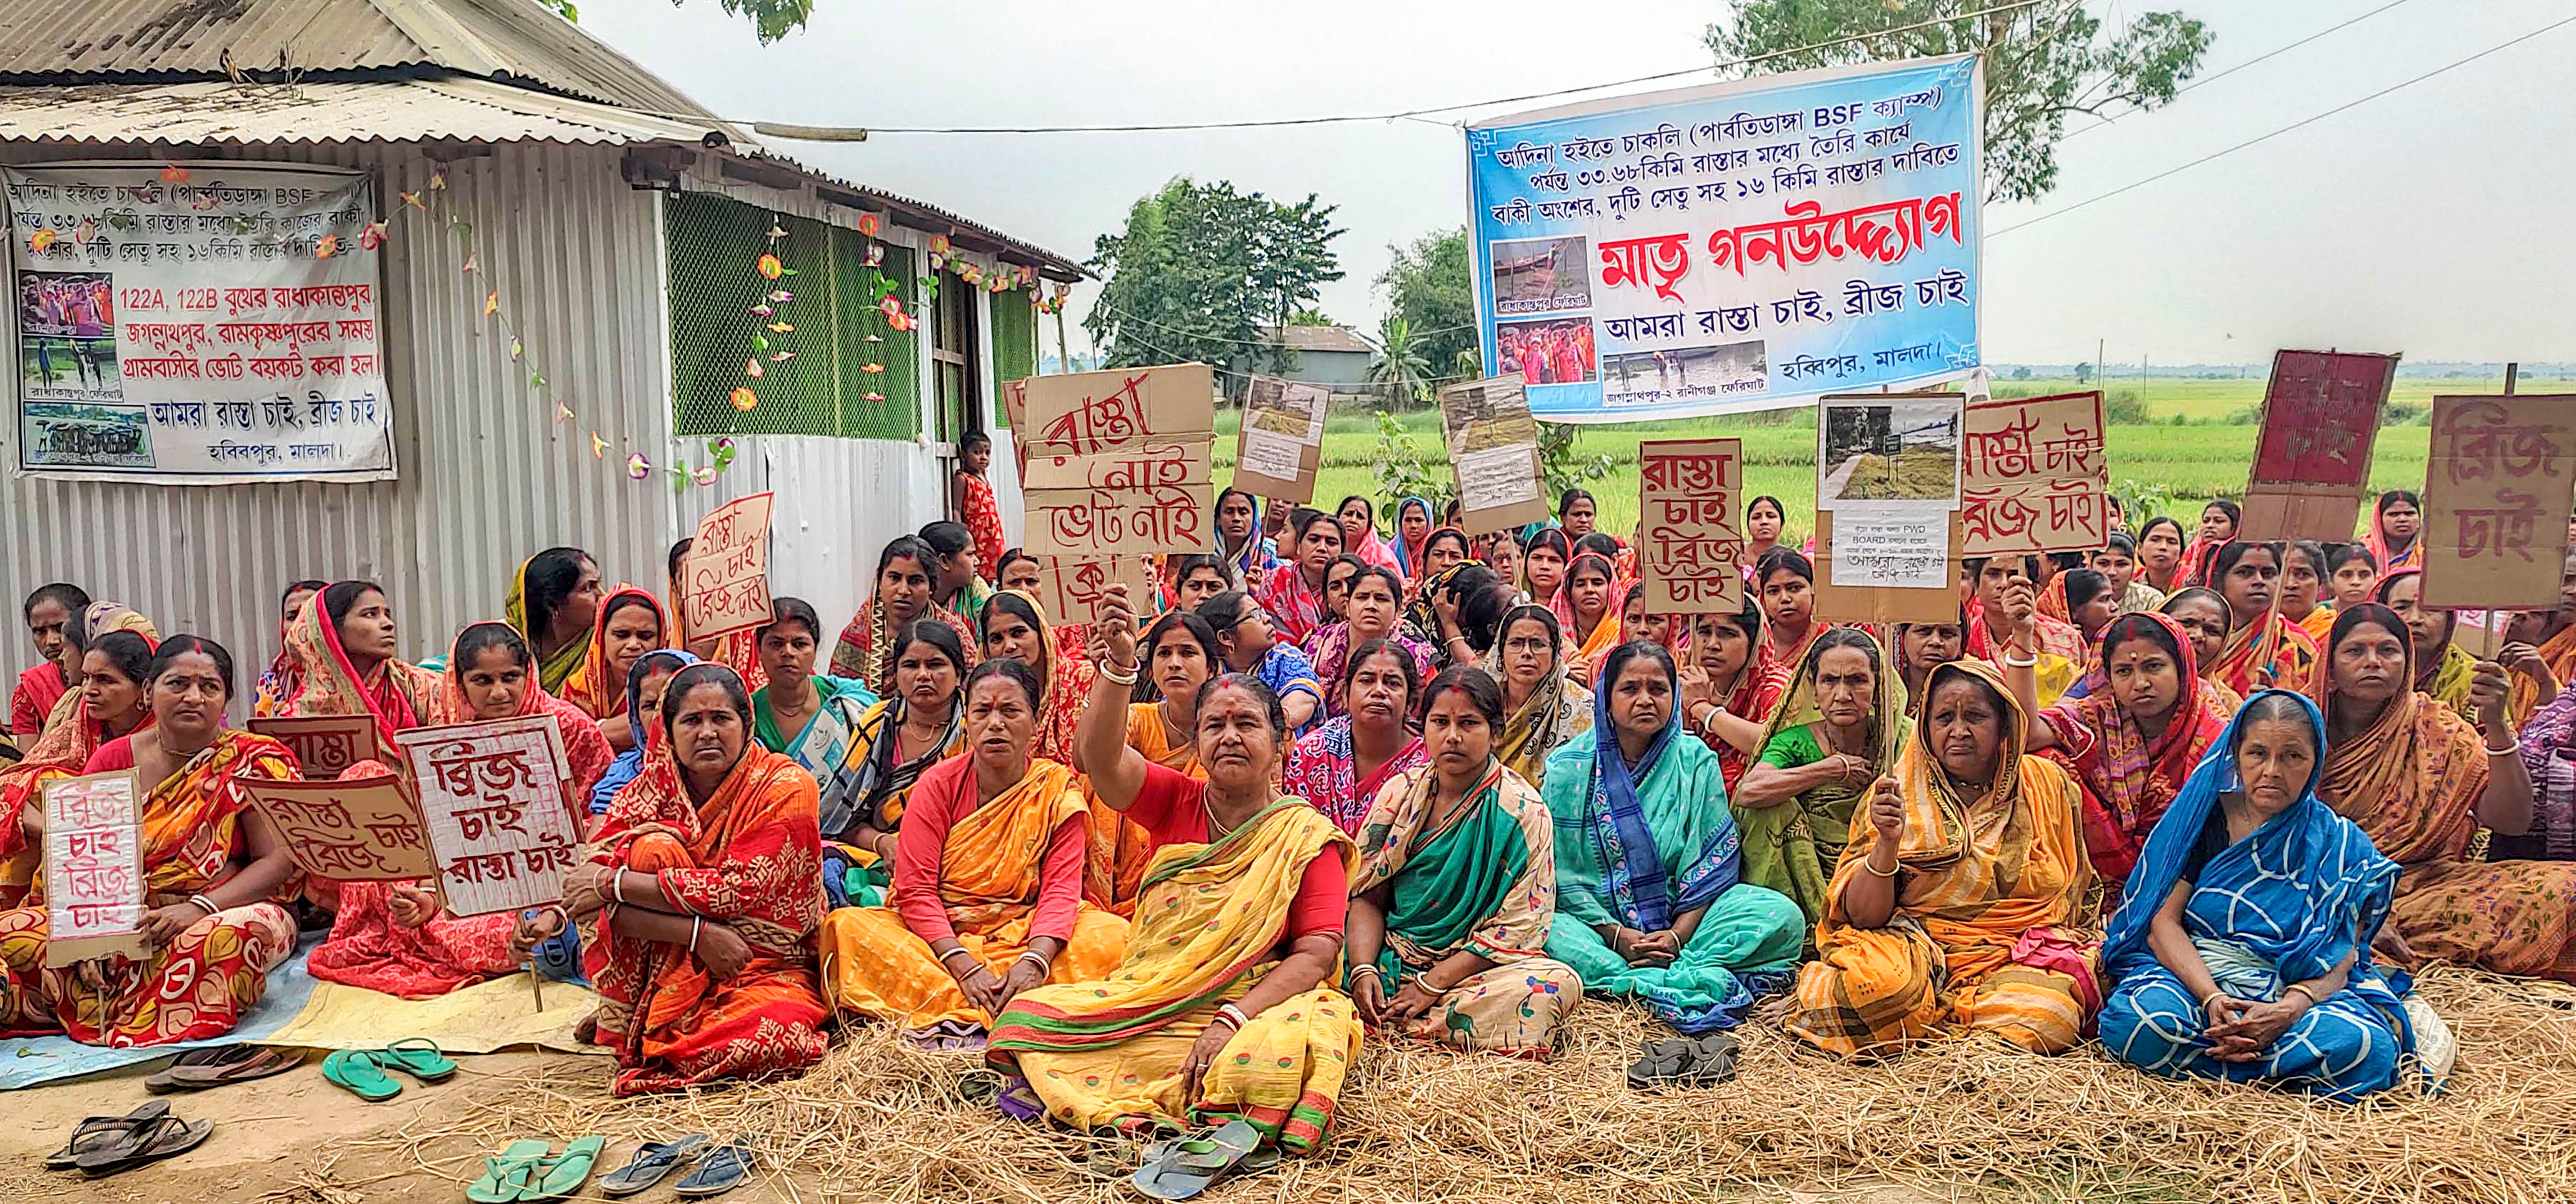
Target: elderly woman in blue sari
{"x":2244,"y":951}
{"x":1648,"y":900}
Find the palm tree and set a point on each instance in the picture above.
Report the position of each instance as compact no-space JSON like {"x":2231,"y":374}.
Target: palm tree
{"x":1400,"y":368}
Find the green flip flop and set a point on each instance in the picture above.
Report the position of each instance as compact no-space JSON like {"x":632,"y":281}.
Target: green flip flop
{"x":564,"y":1173}
{"x":418,"y":1057}
{"x":359,"y":1072}
{"x":505,"y":1175}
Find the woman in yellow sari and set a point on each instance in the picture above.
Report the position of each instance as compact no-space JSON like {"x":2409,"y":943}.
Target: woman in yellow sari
{"x":2264,"y":648}
{"x":113,"y":647}
{"x":1224,"y":1008}
{"x":987,"y":883}
{"x":2305,"y":588}
{"x":1957,"y":903}
{"x":213,"y":870}
{"x":2444,"y":670}
{"x":553,"y":601}
{"x":1543,"y":706}
{"x":1839,"y":728}
{"x":897,"y":739}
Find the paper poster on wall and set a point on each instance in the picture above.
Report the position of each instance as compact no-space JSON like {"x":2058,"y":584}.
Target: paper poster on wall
{"x":2312,"y":453}
{"x":725,"y":576}
{"x":93,"y":866}
{"x":1691,"y":553}
{"x":195,"y":332}
{"x":2498,"y":488}
{"x":1730,"y":247}
{"x":324,"y":746}
{"x":2033,"y":474}
{"x":494,"y":798}
{"x":358,"y":830}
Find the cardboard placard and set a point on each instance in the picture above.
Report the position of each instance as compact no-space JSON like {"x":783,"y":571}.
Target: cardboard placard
{"x":1118,"y":462}
{"x":2497,"y":492}
{"x":355,"y":830}
{"x":1087,"y":524}
{"x":2312,"y":458}
{"x":1135,"y":467}
{"x":1281,"y":446}
{"x":2033,"y":474}
{"x":493,"y":796}
{"x":325,"y":746}
{"x":1089,"y":412}
{"x":1854,"y":604}
{"x":725,"y":577}
{"x":1071,"y":589}
{"x":1493,"y":451}
{"x":94,"y":896}
{"x":1692,"y":552}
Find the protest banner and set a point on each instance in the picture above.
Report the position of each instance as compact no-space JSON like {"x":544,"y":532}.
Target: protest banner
{"x":1088,"y":412}
{"x":355,"y":830}
{"x":324,"y":746}
{"x":1493,"y":452}
{"x":197,"y":332}
{"x":1731,"y":247}
{"x":94,"y":890}
{"x":1281,"y":445}
{"x":1118,"y":462}
{"x":493,"y":796}
{"x":2032,"y":475}
{"x":1692,"y":551}
{"x":2498,"y":489}
{"x":1071,"y":589}
{"x":1897,"y":575}
{"x":2312,"y":458}
{"x":725,"y":577}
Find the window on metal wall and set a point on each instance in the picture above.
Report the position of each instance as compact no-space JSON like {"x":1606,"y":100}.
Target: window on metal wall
{"x":952,"y":362}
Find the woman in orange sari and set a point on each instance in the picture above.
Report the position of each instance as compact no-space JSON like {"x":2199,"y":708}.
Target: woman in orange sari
{"x":630,"y":624}
{"x":2554,"y":633}
{"x":213,"y":870}
{"x":2265,"y":650}
{"x":2420,"y":781}
{"x":1178,"y":655}
{"x":2218,"y":522}
{"x":113,"y":647}
{"x":2396,"y":529}
{"x":1594,"y":628}
{"x":343,"y":659}
{"x":2306,"y":589}
{"x":700,"y":900}
{"x":1016,"y":626}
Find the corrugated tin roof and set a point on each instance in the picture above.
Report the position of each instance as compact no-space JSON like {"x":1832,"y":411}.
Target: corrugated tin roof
{"x":471,"y":110}
{"x":1326,"y":338}
{"x":498,"y":39}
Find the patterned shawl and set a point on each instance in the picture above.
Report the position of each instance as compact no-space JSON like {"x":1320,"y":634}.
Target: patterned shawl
{"x":2132,"y":776}
{"x":1640,"y":889}
{"x":2560,"y":651}
{"x":552,"y":671}
{"x":595,"y":687}
{"x":1331,"y":657}
{"x":1408,"y":552}
{"x":2272,"y":653}
{"x":321,"y":680}
{"x":872,"y":784}
{"x":2549,"y":752}
{"x":2411,"y":779}
{"x":1296,"y":607}
{"x":1887,"y":731}
{"x":1323,"y":769}
{"x":1485,"y":883}
{"x":1556,"y":711}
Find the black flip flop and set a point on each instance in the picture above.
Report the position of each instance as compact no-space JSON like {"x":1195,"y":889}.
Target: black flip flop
{"x":95,"y":1130}
{"x":1713,"y":1063}
{"x":1664,"y":1061}
{"x":149,"y":1142}
{"x":652,"y":1164}
{"x":166,"y":1080}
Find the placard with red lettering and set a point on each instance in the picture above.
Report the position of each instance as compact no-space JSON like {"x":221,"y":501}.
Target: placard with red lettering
{"x":494,"y":796}
{"x":1118,"y":462}
{"x":724,"y":580}
{"x":2032,"y":475}
{"x":1692,"y":554}
{"x":94,"y":900}
{"x":352,"y":830}
{"x":220,"y":328}
{"x":2312,"y":457}
{"x":1085,"y":412}
{"x":1071,"y":589}
{"x":2497,"y":491}
{"x":324,"y":746}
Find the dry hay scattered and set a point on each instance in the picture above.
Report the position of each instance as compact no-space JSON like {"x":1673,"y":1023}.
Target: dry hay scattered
{"x":1962,"y":1120}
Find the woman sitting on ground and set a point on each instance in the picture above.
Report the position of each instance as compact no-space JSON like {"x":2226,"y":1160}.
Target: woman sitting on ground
{"x":113,"y":647}
{"x":1456,"y":889}
{"x":1375,"y":614}
{"x":868,"y":647}
{"x":738,"y":649}
{"x":50,"y":613}
{"x":701,"y":882}
{"x":554,"y":604}
{"x":898,"y":739}
{"x":1543,"y":563}
{"x":1954,"y":908}
{"x":1252,"y":647}
{"x":1293,"y":593}
{"x":1180,"y":654}
{"x":2202,"y":617}
{"x":630,"y":624}
{"x":1786,"y":581}
{"x":1593,"y":626}
{"x":806,"y":717}
{"x":264,"y":697}
{"x":1650,"y":902}
{"x":987,"y":897}
{"x":2420,"y":781}
{"x":1921,"y":648}
{"x":2351,"y":574}
{"x":644,"y":684}
{"x":2444,"y":669}
{"x":1544,"y":707}
{"x":1016,"y":626}
{"x":1840,"y":727}
{"x":214,"y":872}
{"x":2245,"y":952}
{"x":1728,"y":694}
{"x":392,"y":936}
{"x":1224,"y":1008}
{"x":2303,"y":587}
{"x":2264,"y":649}
{"x":344,"y":659}
{"x":1341,"y":766}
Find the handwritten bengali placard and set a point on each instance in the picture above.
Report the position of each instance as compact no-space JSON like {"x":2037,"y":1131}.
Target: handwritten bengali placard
{"x":725,"y":576}
{"x":494,"y":798}
{"x":2312,"y":454}
{"x":192,"y":332}
{"x":94,"y":890}
{"x":2499,"y":485}
{"x":1692,"y":551}
{"x":354,"y":830}
{"x":324,"y":746}
{"x":1118,"y":462}
{"x":1071,"y":589}
{"x":2032,"y":475}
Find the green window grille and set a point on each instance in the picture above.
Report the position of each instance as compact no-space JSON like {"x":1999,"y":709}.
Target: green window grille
{"x":715,"y":247}
{"x":1015,"y":342}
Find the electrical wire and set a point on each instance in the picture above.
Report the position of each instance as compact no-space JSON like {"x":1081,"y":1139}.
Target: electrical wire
{"x":2270,"y":54}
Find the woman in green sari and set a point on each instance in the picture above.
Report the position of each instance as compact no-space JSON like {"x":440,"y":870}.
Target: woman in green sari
{"x":1837,"y":730}
{"x":1456,"y":887}
{"x":553,"y":602}
{"x":1649,"y":896}
{"x":916,"y":727}
{"x":809,"y":718}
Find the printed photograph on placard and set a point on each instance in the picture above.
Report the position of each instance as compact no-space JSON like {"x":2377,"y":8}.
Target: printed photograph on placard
{"x":1681,"y":373}
{"x":1542,"y":275}
{"x":67,"y":336}
{"x":1553,"y":352}
{"x":1875,"y":451}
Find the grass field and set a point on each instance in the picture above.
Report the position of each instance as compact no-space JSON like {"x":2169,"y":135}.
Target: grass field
{"x":2158,"y":466}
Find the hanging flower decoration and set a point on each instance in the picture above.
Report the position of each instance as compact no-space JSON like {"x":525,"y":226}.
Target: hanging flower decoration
{"x":438,"y":179}
{"x":870,"y":223}
{"x":328,"y":247}
{"x":770,"y":267}
{"x":752,"y":368}
{"x":871,"y":368}
{"x":563,"y":413}
{"x":704,"y":476}
{"x":598,"y":446}
{"x":872,"y":397}
{"x":373,"y":236}
{"x":472,"y":262}
{"x":517,"y":349}
{"x":939,"y":244}
{"x":775,"y":231}
{"x":780,"y":297}
{"x":780,"y":357}
{"x":412,"y":199}
{"x":763,"y":311}
{"x":492,"y":303}
{"x":891,"y":306}
{"x":174,"y":174}
{"x":876,"y":253}
{"x":42,"y":240}
{"x":637,"y":467}
{"x":781,"y":328}
{"x":721,"y":449}
{"x":743,"y":398}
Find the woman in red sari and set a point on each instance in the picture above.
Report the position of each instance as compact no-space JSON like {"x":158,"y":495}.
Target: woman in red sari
{"x":2264,"y":648}
{"x":1786,"y":580}
{"x":342,"y":658}
{"x":1016,"y":626}
{"x":1340,"y":766}
{"x":113,"y":646}
{"x":213,"y":869}
{"x":391,"y":936}
{"x":49,"y":613}
{"x":1728,"y":690}
{"x":701,"y":898}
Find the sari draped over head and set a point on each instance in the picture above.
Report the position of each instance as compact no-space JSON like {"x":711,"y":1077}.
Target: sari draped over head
{"x":2274,"y":652}
{"x":1296,"y":607}
{"x":1331,"y":657}
{"x":552,"y":671}
{"x":866,"y":650}
{"x":1108,"y":1052}
{"x":748,"y":858}
{"x":1794,"y":845}
{"x":196,"y":987}
{"x":2288,"y":903}
{"x":321,"y":679}
{"x":1587,"y":646}
{"x":1254,"y":554}
{"x":990,"y":881}
{"x":2558,"y":650}
{"x":630,"y":763}
{"x":1556,"y":711}
{"x":1323,"y":769}
{"x":70,"y":737}
{"x":594,"y":685}
{"x":2130,"y":777}
{"x":586,"y":752}
{"x":1483,"y":881}
{"x":881,"y":776}
{"x":1992,"y":895}
{"x":2374,"y":536}
{"x":1408,"y":552}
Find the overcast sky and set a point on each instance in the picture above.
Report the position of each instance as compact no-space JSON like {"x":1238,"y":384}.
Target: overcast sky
{"x":2430,"y":221}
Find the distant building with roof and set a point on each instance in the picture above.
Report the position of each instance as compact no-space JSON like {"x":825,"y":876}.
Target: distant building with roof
{"x":1333,"y":356}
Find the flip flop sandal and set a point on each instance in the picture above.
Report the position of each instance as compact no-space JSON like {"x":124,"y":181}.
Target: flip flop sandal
{"x":1020,"y":1102}
{"x":1190,"y":1167}
{"x":1713,"y":1061}
{"x":418,"y":1057}
{"x":151,"y":1141}
{"x":166,"y":1080}
{"x":651,"y":1164}
{"x":564,"y":1173}
{"x":721,"y":1172}
{"x":505,"y":1174}
{"x":260,"y":1064}
{"x":359,"y":1072}
{"x":94,"y":1131}
{"x":1664,"y":1062}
